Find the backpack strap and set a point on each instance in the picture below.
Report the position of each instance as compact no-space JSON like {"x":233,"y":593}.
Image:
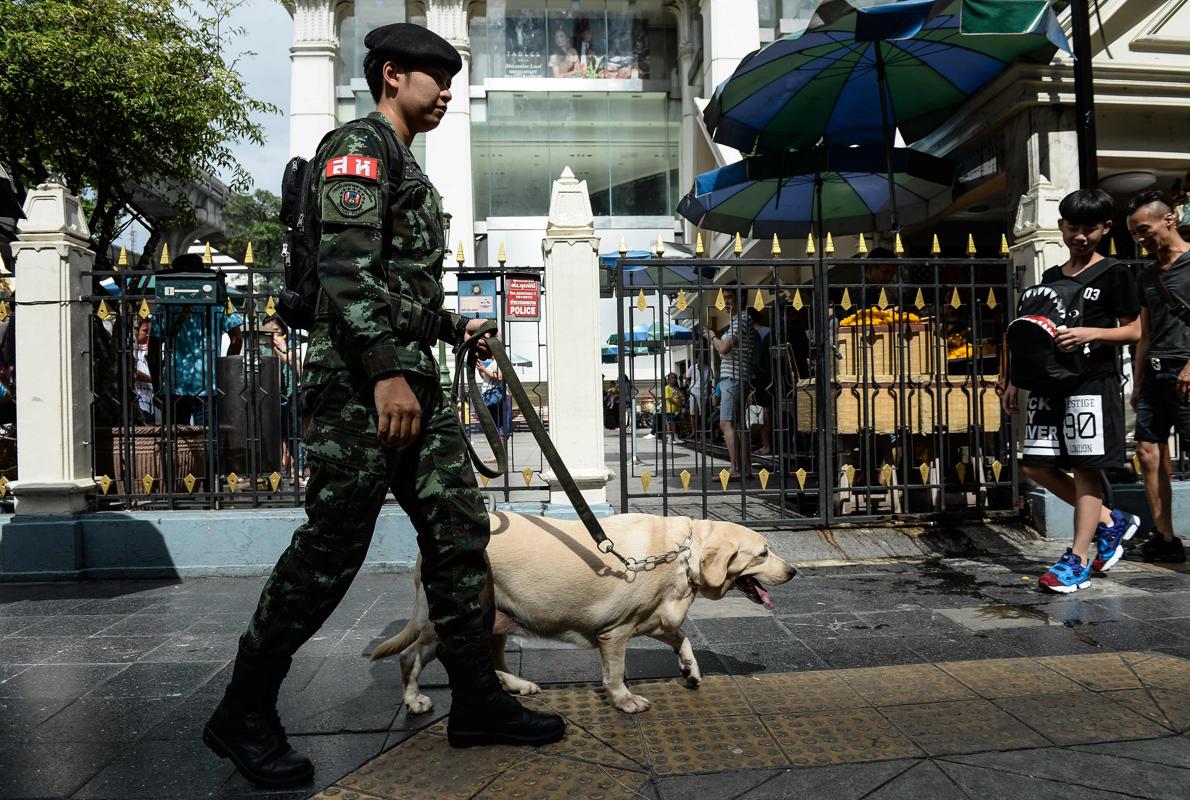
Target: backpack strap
{"x":1091,"y":273}
{"x":1177,"y":306}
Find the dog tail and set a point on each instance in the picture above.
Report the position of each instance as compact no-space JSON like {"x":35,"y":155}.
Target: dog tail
{"x":397,"y":644}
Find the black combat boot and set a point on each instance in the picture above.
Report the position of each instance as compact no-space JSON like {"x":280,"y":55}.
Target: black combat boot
{"x":245,"y":726}
{"x":481,"y":712}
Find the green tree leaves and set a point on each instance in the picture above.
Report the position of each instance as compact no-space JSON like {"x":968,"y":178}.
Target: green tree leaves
{"x":114,"y":94}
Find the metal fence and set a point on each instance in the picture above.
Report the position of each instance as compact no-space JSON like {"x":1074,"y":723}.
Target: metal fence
{"x":195,"y":390}
{"x":515,"y":297}
{"x":874,"y":395}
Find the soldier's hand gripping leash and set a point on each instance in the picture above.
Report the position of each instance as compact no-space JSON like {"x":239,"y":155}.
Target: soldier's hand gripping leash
{"x":466,"y":356}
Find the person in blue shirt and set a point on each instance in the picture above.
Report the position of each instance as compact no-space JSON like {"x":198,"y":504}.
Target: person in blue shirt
{"x":195,"y":337}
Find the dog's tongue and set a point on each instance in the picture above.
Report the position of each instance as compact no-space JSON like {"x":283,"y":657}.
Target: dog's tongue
{"x":764,"y":595}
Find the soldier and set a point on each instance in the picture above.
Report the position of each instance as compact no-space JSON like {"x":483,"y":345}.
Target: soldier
{"x":379,"y":422}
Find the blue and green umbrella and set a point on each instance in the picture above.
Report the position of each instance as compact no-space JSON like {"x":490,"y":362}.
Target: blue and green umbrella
{"x":845,"y":190}
{"x":854,"y":74}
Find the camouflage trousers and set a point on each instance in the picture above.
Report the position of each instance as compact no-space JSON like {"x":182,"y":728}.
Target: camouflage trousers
{"x":350,"y":475}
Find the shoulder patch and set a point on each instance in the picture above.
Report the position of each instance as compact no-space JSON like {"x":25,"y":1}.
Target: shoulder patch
{"x":351,"y":202}
{"x":352,"y":166}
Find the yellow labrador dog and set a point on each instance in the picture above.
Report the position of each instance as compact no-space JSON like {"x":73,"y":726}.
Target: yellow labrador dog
{"x":550,"y":579}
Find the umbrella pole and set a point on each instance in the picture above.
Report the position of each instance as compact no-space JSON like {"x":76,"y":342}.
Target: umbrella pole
{"x":882,"y":86}
{"x":824,"y":375}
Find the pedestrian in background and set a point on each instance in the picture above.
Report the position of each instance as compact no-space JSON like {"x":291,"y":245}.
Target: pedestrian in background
{"x":1160,"y":367}
{"x":1082,"y":429}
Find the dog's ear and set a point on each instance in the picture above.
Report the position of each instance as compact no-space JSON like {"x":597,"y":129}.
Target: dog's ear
{"x":718,"y":554}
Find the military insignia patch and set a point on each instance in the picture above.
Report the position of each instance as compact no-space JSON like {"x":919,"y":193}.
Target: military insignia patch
{"x":349,"y":200}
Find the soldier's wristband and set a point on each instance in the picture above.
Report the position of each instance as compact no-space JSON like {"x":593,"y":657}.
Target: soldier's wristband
{"x":452,"y":327}
{"x":381,"y":361}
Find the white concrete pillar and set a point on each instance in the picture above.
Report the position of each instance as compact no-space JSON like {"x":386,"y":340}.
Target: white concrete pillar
{"x":1037,"y":242}
{"x":53,"y":350}
{"x":448,"y":148}
{"x":312,"y":78}
{"x":731,"y":30}
{"x":571,"y":253}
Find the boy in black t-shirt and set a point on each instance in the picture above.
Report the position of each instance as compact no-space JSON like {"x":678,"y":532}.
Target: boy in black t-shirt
{"x":1161,"y":369}
{"x":1084,"y":431}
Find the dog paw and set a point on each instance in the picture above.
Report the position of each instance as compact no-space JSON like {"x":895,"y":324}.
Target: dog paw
{"x":521,"y":687}
{"x":693,"y":679}
{"x":418,"y":704}
{"x":632,"y":704}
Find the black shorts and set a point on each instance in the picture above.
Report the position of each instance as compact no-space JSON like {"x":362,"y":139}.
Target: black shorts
{"x":1158,"y":410}
{"x":1084,"y":429}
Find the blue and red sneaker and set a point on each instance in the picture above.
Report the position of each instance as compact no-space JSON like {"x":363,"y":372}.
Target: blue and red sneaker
{"x":1069,"y":575}
{"x":1109,"y":539}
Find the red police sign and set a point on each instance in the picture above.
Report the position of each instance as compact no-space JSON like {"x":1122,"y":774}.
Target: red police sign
{"x":522,"y":298}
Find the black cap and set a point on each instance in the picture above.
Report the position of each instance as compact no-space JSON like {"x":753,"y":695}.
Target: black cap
{"x":412,"y":46}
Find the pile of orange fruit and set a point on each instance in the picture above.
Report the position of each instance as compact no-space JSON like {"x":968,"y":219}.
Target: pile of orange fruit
{"x":878,"y":316}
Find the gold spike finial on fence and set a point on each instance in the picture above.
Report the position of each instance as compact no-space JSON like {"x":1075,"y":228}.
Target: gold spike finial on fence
{"x":798,"y":305}
{"x":862,"y":248}
{"x":460,"y":256}
{"x":144,"y":312}
{"x":764,"y":479}
{"x":898,"y":247}
{"x":233,"y":481}
{"x":724,"y":477}
{"x":758,"y":301}
{"x":206,"y":255}
{"x":681,"y":303}
{"x":801,"y":478}
{"x":685,"y":476}
{"x":1004,"y":244}
{"x":122,"y":261}
{"x":502,"y":254}
{"x":527,"y":474}
{"x":698,"y":248}
{"x":1111,"y":250}
{"x":776,"y":249}
{"x":720,"y":303}
{"x":641,"y":303}
{"x":936,"y":247}
{"x":623,"y":250}
{"x":105,"y":484}
{"x":830,"y":244}
{"x":810,"y":248}
{"x":738,"y":249}
{"x":249,"y":256}
{"x":645,"y":478}
{"x":1144,"y":251}
{"x":190,"y":482}
{"x":165,"y":254}
{"x":970,"y":244}
{"x":660,"y":246}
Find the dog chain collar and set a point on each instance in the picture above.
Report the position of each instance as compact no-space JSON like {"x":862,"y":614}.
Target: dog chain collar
{"x":638,"y":564}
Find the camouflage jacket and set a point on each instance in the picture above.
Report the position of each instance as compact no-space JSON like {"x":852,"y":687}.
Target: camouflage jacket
{"x":359,"y":276}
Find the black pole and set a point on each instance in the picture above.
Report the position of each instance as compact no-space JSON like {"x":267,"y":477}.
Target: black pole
{"x":889,"y":134}
{"x":1084,"y":95}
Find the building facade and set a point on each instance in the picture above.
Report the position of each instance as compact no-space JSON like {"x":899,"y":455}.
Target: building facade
{"x":614,"y":89}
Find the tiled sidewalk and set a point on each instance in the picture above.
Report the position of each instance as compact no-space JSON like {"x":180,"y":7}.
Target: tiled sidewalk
{"x":104,"y":687}
{"x":772,"y":729}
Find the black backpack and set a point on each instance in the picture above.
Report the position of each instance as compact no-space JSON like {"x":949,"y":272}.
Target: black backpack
{"x":1035,"y":362}
{"x":299,"y":248}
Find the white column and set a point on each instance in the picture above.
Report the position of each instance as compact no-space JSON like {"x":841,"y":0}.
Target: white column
{"x":731,"y":30}
{"x":571,"y":253}
{"x":448,"y":148}
{"x":312,"y":77}
{"x":1038,"y":242}
{"x":53,"y":353}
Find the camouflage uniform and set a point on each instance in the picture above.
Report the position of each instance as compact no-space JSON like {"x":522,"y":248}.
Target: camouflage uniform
{"x":352,"y":344}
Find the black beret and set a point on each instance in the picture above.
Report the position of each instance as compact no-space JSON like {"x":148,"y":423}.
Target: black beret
{"x":412,"y":46}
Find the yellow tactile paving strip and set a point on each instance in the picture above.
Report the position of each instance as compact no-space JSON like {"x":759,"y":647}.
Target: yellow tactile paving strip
{"x":795,"y":720}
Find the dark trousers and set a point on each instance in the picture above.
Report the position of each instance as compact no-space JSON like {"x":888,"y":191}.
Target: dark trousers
{"x":350,"y":475}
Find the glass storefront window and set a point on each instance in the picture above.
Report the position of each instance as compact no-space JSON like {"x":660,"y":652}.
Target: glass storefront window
{"x":600,"y":39}
{"x":625,"y":145}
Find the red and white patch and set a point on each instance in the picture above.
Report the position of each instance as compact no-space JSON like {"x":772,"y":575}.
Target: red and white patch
{"x":353,"y":167}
